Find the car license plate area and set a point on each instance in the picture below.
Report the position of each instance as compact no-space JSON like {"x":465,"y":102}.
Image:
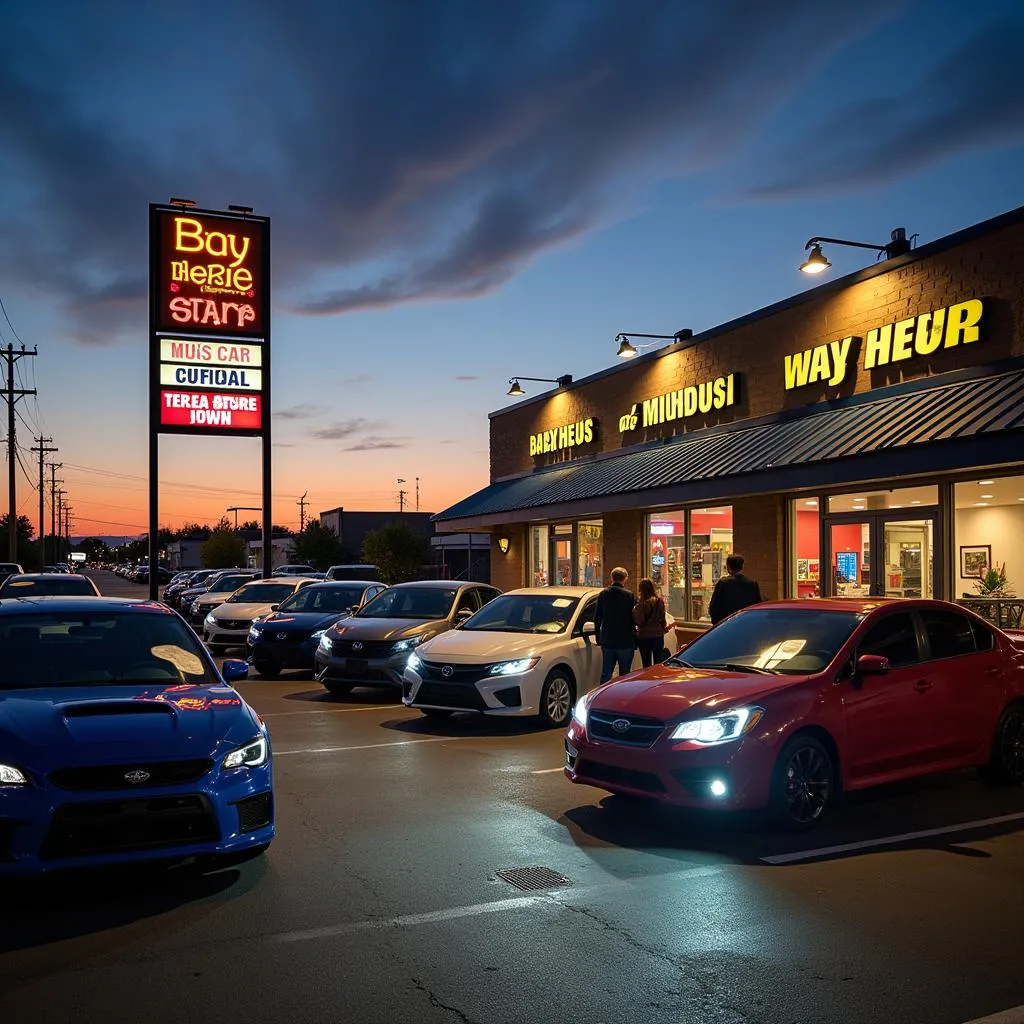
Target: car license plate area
{"x":356,"y":666}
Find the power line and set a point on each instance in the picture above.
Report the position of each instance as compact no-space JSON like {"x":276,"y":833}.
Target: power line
{"x":12,"y":358}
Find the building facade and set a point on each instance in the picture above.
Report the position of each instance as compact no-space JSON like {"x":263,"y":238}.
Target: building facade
{"x":865,"y":437}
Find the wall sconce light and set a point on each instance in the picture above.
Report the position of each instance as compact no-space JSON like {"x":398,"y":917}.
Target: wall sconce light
{"x":503,"y":543}
{"x":817,"y":262}
{"x":629,"y":351}
{"x":515,"y":390}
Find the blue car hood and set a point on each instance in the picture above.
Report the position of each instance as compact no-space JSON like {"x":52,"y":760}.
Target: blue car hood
{"x":299,"y":622}
{"x":67,"y":726}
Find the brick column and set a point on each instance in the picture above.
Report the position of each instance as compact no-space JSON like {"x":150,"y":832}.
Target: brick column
{"x":623,"y":544}
{"x":758,"y":535}
{"x":508,"y":571}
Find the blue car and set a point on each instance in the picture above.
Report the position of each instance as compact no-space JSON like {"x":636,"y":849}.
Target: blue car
{"x":120,"y":741}
{"x":290,"y":635}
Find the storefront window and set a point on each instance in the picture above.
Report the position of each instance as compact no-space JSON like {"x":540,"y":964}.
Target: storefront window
{"x":590,"y":569}
{"x":805,"y":521}
{"x":561,"y":556}
{"x":539,"y":544}
{"x":870,"y":501}
{"x":988,"y":524}
{"x":687,"y":552}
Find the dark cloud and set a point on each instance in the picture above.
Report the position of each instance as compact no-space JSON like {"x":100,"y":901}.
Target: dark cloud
{"x":360,"y":378}
{"x":300,"y":412}
{"x":405,"y":150}
{"x":345,"y":428}
{"x":971,"y":100}
{"x":373,"y":444}
{"x":466,"y":377}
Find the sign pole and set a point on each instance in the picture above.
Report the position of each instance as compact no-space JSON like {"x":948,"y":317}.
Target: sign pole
{"x":265,"y":431}
{"x":154,"y":414}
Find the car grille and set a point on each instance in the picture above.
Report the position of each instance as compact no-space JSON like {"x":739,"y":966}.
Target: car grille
{"x":641,"y":732}
{"x":268,"y":636}
{"x":648,"y":782}
{"x":451,"y":696}
{"x":255,"y":812}
{"x":121,"y":826}
{"x":465,"y":674}
{"x":233,"y":624}
{"x":368,"y":648}
{"x":112,"y":776}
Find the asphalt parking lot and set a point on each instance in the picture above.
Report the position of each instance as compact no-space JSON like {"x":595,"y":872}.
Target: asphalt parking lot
{"x":380,"y":900}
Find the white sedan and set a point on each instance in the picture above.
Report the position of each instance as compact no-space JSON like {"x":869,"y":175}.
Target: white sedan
{"x":527,"y":652}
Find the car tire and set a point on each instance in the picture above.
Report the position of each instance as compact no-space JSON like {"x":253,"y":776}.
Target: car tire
{"x":803,"y":783}
{"x":338,"y":689}
{"x":267,"y":668}
{"x":1006,"y":767}
{"x":436,"y":712}
{"x":557,"y":699}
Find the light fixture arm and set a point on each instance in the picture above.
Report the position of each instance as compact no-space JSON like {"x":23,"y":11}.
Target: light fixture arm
{"x":818,"y":239}
{"x":898,"y":244}
{"x":560,"y":381}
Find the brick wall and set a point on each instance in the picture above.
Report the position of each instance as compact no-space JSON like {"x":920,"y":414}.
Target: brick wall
{"x":758,"y":535}
{"x":623,"y":536}
{"x":990,"y":267}
{"x":508,"y":571}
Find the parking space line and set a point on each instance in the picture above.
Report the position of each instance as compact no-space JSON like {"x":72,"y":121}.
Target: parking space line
{"x":474,"y":910}
{"x":1015,"y":1015}
{"x":334,"y":711}
{"x":547,"y":771}
{"x":906,"y":837}
{"x":374,"y":746}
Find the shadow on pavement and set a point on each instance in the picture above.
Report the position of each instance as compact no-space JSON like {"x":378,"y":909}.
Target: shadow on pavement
{"x":66,"y":905}
{"x":360,"y":695}
{"x":472,"y":725}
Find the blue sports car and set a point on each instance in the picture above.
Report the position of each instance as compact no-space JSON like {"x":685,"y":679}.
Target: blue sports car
{"x":121,"y":742}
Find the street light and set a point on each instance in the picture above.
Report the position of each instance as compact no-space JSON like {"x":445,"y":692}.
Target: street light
{"x":627,"y":350}
{"x":817,"y":262}
{"x":516,"y":391}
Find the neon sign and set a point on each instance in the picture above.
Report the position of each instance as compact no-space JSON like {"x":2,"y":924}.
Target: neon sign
{"x":227,"y":410}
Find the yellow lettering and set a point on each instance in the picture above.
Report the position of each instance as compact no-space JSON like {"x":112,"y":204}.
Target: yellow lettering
{"x":927,"y":339}
{"x":563,"y":437}
{"x":962,"y":325}
{"x":689,"y":401}
{"x":876,"y":346}
{"x":819,"y":364}
{"x":840,"y":356}
{"x":187,"y":228}
{"x":705,"y":396}
{"x":730,"y":390}
{"x":588,"y":431}
{"x":720,"y":392}
{"x":798,"y":366}
{"x":651,"y":412}
{"x":533,"y":444}
{"x":902,"y":339}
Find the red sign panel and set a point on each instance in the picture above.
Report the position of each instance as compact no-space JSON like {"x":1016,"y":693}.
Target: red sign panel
{"x":210,"y":274}
{"x":211,"y":411}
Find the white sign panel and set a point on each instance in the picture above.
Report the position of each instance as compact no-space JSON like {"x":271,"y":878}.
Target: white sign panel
{"x":214,"y":377}
{"x":210,"y":353}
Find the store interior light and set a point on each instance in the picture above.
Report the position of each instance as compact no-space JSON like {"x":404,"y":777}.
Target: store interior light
{"x":981,"y":504}
{"x":984,"y":483}
{"x":988,"y":495}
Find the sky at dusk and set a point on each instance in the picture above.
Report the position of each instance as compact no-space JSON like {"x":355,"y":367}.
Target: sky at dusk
{"x":460,"y":193}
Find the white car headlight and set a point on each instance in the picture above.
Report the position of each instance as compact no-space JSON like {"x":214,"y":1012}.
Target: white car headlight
{"x":729,"y":725}
{"x":210,"y":620}
{"x":513,"y":668}
{"x":326,"y":643}
{"x":414,"y":663}
{"x":318,"y":635}
{"x":407,"y":645}
{"x":580,"y":711}
{"x":11,"y":776}
{"x":254,"y":634}
{"x":252,"y":755}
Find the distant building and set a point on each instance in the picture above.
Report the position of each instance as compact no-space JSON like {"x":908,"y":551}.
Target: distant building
{"x":282,"y":552}
{"x":351,"y":528}
{"x":184,"y":554}
{"x":462,"y":556}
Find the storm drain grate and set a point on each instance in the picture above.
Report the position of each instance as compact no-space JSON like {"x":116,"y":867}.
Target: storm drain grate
{"x":532,"y":879}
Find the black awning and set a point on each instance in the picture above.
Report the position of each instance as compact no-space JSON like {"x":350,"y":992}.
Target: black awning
{"x":884,"y":436}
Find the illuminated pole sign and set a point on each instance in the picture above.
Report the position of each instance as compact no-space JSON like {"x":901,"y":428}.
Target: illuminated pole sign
{"x":209,"y":334}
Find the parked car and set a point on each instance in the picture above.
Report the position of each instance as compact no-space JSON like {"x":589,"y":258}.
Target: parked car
{"x":228,"y":624}
{"x":293,"y":570}
{"x":48,"y":584}
{"x":122,"y":742}
{"x":353,"y":571}
{"x":530,"y":652}
{"x":372,"y":647}
{"x":289,"y":637}
{"x":199,"y":584}
{"x":10,"y":569}
{"x":784,"y":705}
{"x":220,"y":588}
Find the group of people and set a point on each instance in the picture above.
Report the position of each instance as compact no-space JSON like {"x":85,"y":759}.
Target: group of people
{"x":626,"y":622}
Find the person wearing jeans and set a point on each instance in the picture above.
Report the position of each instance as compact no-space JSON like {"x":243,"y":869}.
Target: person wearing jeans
{"x":614,"y":622}
{"x":651,"y":622}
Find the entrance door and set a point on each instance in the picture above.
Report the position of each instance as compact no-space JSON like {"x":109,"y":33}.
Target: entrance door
{"x":562,"y":558}
{"x":881,"y":554}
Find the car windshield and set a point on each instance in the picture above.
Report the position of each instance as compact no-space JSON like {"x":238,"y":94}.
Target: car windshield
{"x":228,"y":584}
{"x":411,"y":603}
{"x":262,"y":593}
{"x":20,"y":586}
{"x":323,"y":599}
{"x":85,"y":649}
{"x":524,"y":613}
{"x":790,"y":640}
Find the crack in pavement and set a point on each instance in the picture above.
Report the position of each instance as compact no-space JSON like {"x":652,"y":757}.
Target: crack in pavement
{"x":434,"y":1001}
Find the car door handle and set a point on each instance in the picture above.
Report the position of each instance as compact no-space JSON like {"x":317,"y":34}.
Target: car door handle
{"x":992,"y":670}
{"x":922,"y":686}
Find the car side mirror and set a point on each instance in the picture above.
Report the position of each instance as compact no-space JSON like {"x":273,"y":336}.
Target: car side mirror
{"x":274,"y":607}
{"x":234,"y":670}
{"x":463,"y":614}
{"x":589,"y":629}
{"x":869,"y":665}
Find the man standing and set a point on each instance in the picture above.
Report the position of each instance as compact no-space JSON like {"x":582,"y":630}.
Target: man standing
{"x":733,"y":591}
{"x":614,"y":621}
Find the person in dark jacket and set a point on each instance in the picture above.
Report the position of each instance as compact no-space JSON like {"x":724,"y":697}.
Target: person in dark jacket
{"x":614,"y":621}
{"x":733,"y":591}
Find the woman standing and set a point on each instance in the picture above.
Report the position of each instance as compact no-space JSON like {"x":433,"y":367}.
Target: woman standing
{"x":649,"y":616}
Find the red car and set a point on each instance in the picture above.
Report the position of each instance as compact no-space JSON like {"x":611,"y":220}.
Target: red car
{"x":788,"y":703}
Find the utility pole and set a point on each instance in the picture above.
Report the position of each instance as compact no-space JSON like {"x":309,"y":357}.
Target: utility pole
{"x":12,"y":395}
{"x":67,"y":528}
{"x":42,"y":442}
{"x":417,"y":494}
{"x":302,"y":503}
{"x":54,"y":466}
{"x":59,"y":537}
{"x":401,"y":495}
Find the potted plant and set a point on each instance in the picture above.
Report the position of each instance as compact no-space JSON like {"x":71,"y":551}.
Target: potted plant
{"x":993,"y":583}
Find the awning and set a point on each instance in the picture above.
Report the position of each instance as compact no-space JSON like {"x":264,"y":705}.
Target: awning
{"x":917,"y":429}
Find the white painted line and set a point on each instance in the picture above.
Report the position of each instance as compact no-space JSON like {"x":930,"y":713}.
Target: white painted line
{"x":373,"y":746}
{"x":906,"y":837}
{"x":1012,"y":1016}
{"x":335,"y":711}
{"x":547,"y":771}
{"x":406,"y":920}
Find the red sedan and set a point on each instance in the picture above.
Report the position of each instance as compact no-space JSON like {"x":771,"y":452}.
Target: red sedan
{"x":788,"y":703}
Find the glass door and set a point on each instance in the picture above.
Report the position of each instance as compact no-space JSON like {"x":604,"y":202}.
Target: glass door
{"x":882,"y":554}
{"x":562,"y":560}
